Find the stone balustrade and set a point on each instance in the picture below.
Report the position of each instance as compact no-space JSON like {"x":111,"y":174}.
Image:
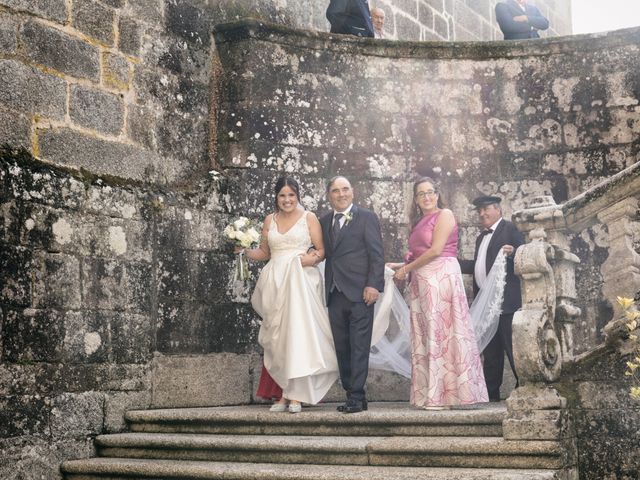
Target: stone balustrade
{"x":570,"y":389}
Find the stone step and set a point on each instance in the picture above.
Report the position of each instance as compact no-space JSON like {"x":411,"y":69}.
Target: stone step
{"x":126,"y":469}
{"x":473,"y":452}
{"x":384,"y":419}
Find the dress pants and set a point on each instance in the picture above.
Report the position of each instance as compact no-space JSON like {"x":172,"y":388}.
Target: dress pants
{"x":494,"y":356}
{"x":351,"y":325}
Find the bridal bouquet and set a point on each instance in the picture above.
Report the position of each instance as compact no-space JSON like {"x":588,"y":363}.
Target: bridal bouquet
{"x":242,"y":233}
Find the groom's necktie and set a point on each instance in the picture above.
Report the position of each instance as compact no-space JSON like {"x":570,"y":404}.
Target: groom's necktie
{"x":336,"y":226}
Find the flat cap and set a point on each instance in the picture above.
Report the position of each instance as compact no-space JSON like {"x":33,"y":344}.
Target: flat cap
{"x":485,"y":200}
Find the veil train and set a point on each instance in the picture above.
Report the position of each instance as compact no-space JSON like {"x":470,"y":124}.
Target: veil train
{"x":391,"y":339}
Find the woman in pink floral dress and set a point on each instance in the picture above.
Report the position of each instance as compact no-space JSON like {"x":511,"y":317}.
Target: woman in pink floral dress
{"x":446,"y":366}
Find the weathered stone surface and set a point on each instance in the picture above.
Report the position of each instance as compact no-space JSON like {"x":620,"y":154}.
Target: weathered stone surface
{"x":130,"y":36}
{"x":538,"y":425}
{"x":150,"y":11}
{"x":117,"y":404}
{"x":116,"y":285}
{"x":141,"y":126}
{"x":50,"y":9}
{"x":94,"y":19}
{"x":97,"y":110}
{"x":114,"y":3}
{"x":189,"y":22}
{"x":60,"y":51}
{"x":56,"y":281}
{"x":114,"y":202}
{"x":8,"y":34}
{"x":39,"y":184}
{"x":87,"y":337}
{"x":116,"y":71}
{"x":70,"y":147}
{"x":77,"y":415}
{"x":31,"y":456}
{"x":223,"y":328}
{"x":16,"y":265}
{"x":131,"y":338}
{"x":31,"y":335}
{"x":23,"y":415}
{"x":178,"y":381}
{"x":15,"y":129}
{"x":29,"y":91}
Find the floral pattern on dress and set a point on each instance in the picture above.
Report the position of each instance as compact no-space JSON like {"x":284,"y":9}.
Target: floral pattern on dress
{"x":446,"y":365}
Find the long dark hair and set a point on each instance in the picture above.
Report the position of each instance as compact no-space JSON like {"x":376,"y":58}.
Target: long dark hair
{"x":286,"y":182}
{"x":416,"y":213}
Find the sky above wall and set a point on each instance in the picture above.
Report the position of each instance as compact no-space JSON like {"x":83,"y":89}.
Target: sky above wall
{"x":603,"y":15}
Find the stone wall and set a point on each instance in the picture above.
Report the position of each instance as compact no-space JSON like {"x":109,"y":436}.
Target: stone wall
{"x":115,"y":287}
{"x":492,"y":118}
{"x":112,"y":297}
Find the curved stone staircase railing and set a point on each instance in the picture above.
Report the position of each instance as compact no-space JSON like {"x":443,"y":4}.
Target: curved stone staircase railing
{"x":562,"y":391}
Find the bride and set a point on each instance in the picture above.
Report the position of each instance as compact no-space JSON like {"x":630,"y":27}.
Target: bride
{"x":295,"y":332}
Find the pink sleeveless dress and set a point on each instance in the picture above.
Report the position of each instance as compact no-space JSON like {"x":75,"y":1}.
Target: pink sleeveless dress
{"x":445,"y":361}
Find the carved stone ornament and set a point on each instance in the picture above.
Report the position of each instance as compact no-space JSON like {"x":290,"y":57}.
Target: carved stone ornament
{"x":536,"y":347}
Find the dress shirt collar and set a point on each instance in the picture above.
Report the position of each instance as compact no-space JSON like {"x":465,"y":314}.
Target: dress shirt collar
{"x":348,"y":209}
{"x":495,"y":225}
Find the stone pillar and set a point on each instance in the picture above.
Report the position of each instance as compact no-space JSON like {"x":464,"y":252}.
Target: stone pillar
{"x":621,"y":270}
{"x":536,"y":347}
{"x":543,"y":212}
{"x":536,"y":411}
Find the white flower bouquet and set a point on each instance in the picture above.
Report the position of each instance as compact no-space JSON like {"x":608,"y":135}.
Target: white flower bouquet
{"x":242,"y":233}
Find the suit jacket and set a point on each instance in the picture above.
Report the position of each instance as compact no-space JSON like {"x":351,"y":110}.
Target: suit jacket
{"x":513,"y":30}
{"x":506,"y":234}
{"x":350,"y":17}
{"x":356,"y":259}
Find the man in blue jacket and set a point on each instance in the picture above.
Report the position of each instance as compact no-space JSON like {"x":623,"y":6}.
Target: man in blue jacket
{"x":350,"y":17}
{"x":519,"y":21}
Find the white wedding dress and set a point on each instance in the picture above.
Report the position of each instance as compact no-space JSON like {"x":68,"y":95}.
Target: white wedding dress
{"x":295,"y":333}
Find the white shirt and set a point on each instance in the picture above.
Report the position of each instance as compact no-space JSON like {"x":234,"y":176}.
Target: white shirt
{"x":480,"y":269}
{"x":343,"y":219}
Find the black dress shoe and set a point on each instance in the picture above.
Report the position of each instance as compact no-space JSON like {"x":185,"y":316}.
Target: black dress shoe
{"x":343,"y":408}
{"x":353,"y":408}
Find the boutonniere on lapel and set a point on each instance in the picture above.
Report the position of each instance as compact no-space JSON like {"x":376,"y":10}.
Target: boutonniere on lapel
{"x":347,"y":218}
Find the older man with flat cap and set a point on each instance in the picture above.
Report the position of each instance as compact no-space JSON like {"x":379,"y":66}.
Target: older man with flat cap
{"x":497,"y":234}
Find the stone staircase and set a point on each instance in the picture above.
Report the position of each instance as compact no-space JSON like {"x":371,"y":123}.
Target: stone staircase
{"x":388,"y":442}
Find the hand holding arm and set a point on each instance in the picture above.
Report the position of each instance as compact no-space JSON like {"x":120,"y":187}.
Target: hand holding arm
{"x":315,"y":255}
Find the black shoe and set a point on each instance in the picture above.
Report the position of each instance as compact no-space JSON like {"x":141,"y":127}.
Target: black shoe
{"x":353,"y":408}
{"x":343,"y":408}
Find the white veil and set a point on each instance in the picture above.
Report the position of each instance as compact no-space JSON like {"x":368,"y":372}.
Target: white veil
{"x":391,"y":339}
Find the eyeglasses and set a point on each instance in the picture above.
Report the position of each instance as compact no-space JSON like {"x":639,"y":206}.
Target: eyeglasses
{"x":428,"y":193}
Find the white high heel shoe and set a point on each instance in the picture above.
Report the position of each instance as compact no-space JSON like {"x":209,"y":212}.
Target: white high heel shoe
{"x":295,"y":407}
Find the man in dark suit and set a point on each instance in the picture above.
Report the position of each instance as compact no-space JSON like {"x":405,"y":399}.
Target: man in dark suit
{"x":519,"y":21}
{"x":498,"y":234}
{"x":354,"y":278}
{"x":350,"y":17}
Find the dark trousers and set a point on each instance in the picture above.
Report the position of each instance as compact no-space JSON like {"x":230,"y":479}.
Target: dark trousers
{"x":494,"y":356}
{"x":351,"y":325}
